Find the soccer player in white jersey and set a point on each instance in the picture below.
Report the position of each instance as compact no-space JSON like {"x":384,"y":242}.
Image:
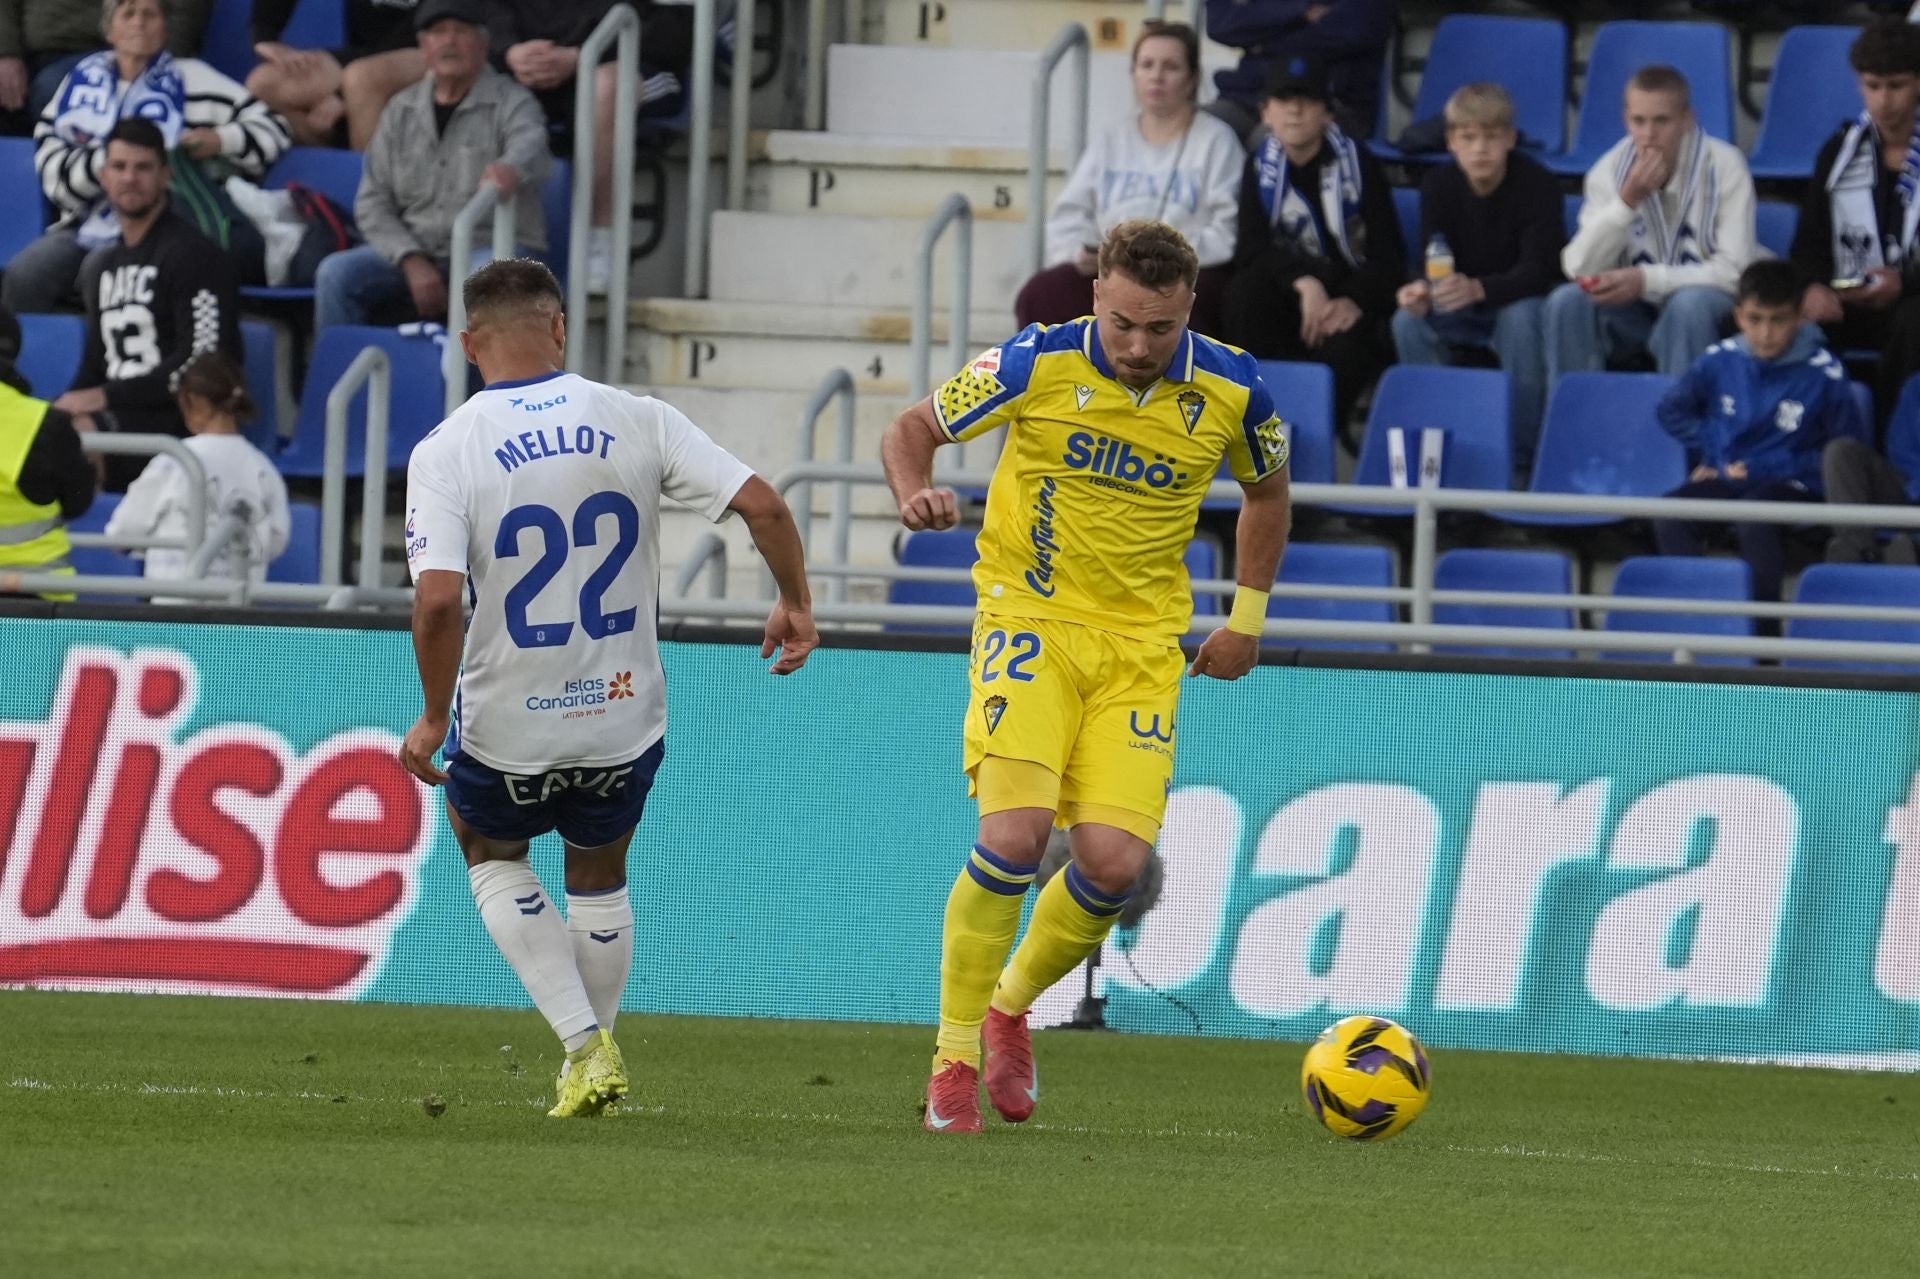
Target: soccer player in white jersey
{"x":539,"y":500}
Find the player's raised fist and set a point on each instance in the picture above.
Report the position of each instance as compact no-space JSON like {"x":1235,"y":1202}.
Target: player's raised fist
{"x":930,"y":508}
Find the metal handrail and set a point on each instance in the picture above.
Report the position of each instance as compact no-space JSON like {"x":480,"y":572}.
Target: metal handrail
{"x":143,"y":444}
{"x":814,"y":111}
{"x":489,"y":200}
{"x":838,"y":385}
{"x":234,"y":528}
{"x":954,"y":208}
{"x":740,"y":102}
{"x":1072,"y":39}
{"x":374,"y":370}
{"x":622,"y":23}
{"x":709,"y":553}
{"x":700,"y":145}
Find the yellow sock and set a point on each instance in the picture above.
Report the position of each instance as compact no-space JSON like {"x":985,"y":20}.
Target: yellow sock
{"x":1070,"y":920}
{"x":983,"y":914}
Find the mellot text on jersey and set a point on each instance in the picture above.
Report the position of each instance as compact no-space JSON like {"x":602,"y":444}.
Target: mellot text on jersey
{"x":551,"y":441}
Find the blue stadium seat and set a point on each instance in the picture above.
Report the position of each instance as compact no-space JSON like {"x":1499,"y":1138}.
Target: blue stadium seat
{"x":1525,"y":56}
{"x":50,"y":351}
{"x":1570,"y":212}
{"x":556,"y":202}
{"x":1682,"y":577}
{"x":300,"y":562}
{"x":1863,"y":400}
{"x":227,"y":43}
{"x":256,"y":339}
{"x":1601,"y":437}
{"x":1473,"y":406}
{"x":415,"y":407}
{"x":21,"y":220}
{"x":1406,"y":204}
{"x":1774,"y":222}
{"x":334,"y":174}
{"x":1203,"y":561}
{"x":100,"y":561}
{"x":1883,"y":584}
{"x":1335,"y":564}
{"x":1811,"y":93}
{"x":935,"y":548}
{"x":1698,"y":50}
{"x":1303,"y":396}
{"x":1532,"y":572}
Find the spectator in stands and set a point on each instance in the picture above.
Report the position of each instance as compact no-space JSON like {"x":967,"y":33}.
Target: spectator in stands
{"x":160,"y":294}
{"x":335,"y":96}
{"x":1318,"y":257}
{"x":1493,"y":228}
{"x":42,"y":40}
{"x":1753,"y":414}
{"x":207,"y":118}
{"x":1666,"y":230}
{"x":438,"y":140}
{"x":241,"y":481}
{"x":1348,"y":37}
{"x":538,"y":43}
{"x":1170,"y":163}
{"x":45,"y":480}
{"x":1855,"y":475}
{"x":1859,"y":232}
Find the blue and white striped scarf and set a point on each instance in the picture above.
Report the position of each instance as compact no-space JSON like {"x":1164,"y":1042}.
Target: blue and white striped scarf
{"x":1859,"y":241}
{"x":1656,"y":240}
{"x":1340,"y":186}
{"x":93,"y":98}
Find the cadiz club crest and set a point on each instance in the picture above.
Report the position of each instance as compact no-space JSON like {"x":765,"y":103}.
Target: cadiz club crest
{"x":1192,"y":405}
{"x":995,"y":707}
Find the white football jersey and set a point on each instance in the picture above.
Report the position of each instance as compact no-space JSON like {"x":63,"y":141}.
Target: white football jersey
{"x":546,"y":494}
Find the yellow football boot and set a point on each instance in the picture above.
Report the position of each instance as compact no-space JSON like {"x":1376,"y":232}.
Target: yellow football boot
{"x":593,"y":1082}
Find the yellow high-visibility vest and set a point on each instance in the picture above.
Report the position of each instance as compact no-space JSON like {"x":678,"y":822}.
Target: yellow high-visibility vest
{"x":33,"y":537}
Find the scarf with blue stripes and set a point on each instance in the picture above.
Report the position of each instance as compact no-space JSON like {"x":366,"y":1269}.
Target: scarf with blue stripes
{"x":1686,"y":238}
{"x":1859,"y":241}
{"x":1339,"y":195}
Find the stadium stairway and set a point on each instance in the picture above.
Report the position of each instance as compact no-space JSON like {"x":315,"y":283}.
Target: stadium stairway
{"x":817,"y":272}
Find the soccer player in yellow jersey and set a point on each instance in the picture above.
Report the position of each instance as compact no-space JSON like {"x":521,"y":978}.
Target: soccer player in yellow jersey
{"x":1116,"y":425}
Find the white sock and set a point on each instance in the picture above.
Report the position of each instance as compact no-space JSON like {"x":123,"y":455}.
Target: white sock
{"x":600,"y":926}
{"x":532,"y":937}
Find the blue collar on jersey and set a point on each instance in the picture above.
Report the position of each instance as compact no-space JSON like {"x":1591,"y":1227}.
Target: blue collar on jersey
{"x":1179,"y":370}
{"x":525,"y":381}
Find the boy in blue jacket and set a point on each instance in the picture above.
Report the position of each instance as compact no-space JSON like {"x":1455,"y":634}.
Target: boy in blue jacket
{"x":1754,"y":413}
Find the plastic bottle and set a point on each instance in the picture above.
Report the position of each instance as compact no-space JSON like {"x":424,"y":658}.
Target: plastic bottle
{"x":1439,"y":258}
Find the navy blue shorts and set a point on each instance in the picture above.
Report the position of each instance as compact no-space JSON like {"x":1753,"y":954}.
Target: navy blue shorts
{"x":590,"y":807}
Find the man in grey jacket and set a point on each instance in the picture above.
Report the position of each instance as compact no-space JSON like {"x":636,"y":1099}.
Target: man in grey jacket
{"x":463,"y":125}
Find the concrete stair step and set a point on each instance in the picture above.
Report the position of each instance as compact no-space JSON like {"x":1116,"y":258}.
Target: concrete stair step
{"x":1011,"y":24}
{"x":858,"y":175}
{"x":851,"y":261}
{"x":959,"y":95}
{"x":770,"y":346}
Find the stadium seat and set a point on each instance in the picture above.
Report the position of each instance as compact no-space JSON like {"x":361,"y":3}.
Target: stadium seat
{"x":50,"y":351}
{"x":1811,"y":93}
{"x":227,"y":43}
{"x":556,"y":202}
{"x":101,"y":561}
{"x":21,"y":220}
{"x":1303,"y":397}
{"x":1335,"y":564}
{"x":1774,"y":222}
{"x":1698,"y":50}
{"x":256,"y":340}
{"x":1601,"y":437}
{"x":1882,"y":584}
{"x":300,"y":562}
{"x":1570,"y":212}
{"x":1406,"y":205}
{"x":1203,"y":561}
{"x":934,"y":548}
{"x":1682,"y":577}
{"x":1863,"y":400}
{"x":1525,"y":56}
{"x":1473,"y":407}
{"x":1532,"y":572}
{"x":334,"y":174}
{"x":415,"y":407}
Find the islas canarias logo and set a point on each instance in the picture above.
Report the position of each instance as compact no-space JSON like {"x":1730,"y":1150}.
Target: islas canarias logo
{"x":620,"y":686}
{"x":136,"y":855}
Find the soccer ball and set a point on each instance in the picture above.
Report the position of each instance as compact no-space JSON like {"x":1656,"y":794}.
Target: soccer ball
{"x":1365,"y":1078}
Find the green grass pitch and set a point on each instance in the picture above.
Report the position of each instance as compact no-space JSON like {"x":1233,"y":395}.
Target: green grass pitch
{"x":171,"y":1136}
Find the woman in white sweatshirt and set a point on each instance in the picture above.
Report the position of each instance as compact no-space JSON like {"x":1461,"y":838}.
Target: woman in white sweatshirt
{"x":1171,"y":162}
{"x":241,"y":480}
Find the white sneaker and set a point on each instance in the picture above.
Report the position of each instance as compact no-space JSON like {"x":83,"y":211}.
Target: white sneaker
{"x":599,"y":259}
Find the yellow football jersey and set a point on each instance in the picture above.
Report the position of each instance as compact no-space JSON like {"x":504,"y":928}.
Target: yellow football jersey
{"x":1093,"y":502}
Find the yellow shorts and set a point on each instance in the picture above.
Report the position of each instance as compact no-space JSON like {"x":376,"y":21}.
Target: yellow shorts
{"x":1094,"y":708}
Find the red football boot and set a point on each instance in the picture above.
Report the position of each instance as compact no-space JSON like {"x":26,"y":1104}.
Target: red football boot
{"x":953,"y":1099}
{"x":1012,"y":1083}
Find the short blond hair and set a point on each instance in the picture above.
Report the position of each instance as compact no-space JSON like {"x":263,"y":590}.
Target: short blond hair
{"x":1482,"y":105}
{"x":1150,"y":253}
